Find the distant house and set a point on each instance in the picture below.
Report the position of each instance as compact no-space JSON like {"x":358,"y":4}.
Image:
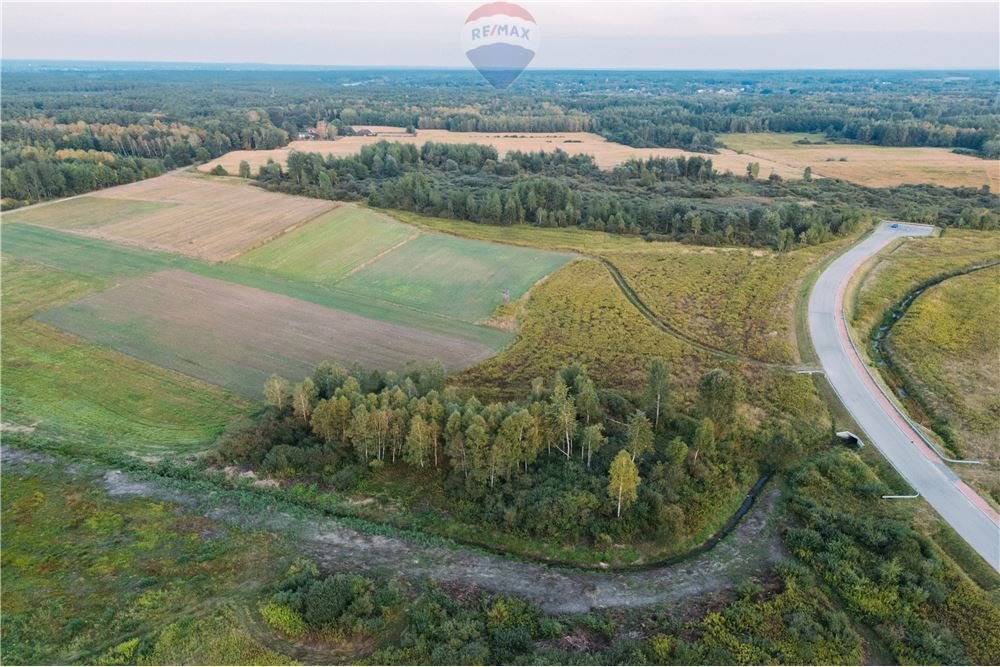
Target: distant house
{"x":365,"y":132}
{"x":307,"y":136}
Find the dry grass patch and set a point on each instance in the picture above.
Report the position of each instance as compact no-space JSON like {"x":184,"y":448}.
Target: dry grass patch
{"x":210,"y":219}
{"x":947,"y":349}
{"x":236,"y":336}
{"x":606,"y":153}
{"x":739,"y":301}
{"x":876,"y":166}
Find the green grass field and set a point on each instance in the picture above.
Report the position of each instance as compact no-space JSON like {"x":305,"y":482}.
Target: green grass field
{"x":946,"y":347}
{"x":894,"y":272}
{"x":84,"y":212}
{"x":569,"y":239}
{"x":73,"y":390}
{"x":87,"y":578}
{"x":460,"y":278}
{"x":112,"y":262}
{"x":330,"y":246}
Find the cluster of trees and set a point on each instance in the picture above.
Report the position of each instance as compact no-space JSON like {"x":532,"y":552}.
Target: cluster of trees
{"x":28,"y":174}
{"x":665,"y":198}
{"x":567,"y":462}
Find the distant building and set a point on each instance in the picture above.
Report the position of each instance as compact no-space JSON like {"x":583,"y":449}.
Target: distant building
{"x":365,"y":132}
{"x":306,"y":136}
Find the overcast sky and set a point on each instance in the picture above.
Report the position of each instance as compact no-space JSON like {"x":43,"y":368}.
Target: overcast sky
{"x":702,"y":35}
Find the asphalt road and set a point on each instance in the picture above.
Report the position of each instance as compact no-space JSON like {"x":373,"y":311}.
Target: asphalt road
{"x":970,"y":516}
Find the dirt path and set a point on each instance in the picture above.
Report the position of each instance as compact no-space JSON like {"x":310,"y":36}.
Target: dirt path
{"x":750,"y":548}
{"x":653,"y":319}
{"x":753,"y":546}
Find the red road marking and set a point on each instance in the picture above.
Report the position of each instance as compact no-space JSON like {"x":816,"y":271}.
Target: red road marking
{"x":888,"y":406}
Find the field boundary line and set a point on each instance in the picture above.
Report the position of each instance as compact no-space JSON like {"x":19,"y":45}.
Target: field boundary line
{"x":371,"y":260}
{"x":288,"y":230}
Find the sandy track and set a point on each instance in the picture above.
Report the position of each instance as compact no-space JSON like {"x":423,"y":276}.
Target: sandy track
{"x":750,"y":549}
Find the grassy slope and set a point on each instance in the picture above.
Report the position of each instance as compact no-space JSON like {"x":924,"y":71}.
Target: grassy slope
{"x":457,"y":277}
{"x":84,"y":212}
{"x":738,"y":301}
{"x":95,"y":394}
{"x":86,"y":577}
{"x":95,"y":258}
{"x":330,"y":246}
{"x":899,"y":269}
{"x":946,"y":347}
{"x":579,"y":314}
{"x":895,"y":272}
{"x":570,"y":239}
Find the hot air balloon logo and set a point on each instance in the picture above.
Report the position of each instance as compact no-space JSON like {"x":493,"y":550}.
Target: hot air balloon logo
{"x":500,"y":39}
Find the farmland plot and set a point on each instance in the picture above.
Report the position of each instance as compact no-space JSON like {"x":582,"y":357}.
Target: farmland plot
{"x":85,"y":213}
{"x":457,"y":277}
{"x":68,"y":388}
{"x":237,"y":336}
{"x":208,"y":219}
{"x":607,"y":154}
{"x":330,"y":246}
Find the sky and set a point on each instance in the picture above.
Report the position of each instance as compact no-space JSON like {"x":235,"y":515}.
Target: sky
{"x":585,"y":35}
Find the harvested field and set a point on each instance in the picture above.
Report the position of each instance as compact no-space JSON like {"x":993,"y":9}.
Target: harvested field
{"x":213,"y":220}
{"x":236,"y":336}
{"x":330,"y":246}
{"x":85,"y":213}
{"x":114,"y":262}
{"x":606,"y":153}
{"x":452,"y":276}
{"x":876,"y":166}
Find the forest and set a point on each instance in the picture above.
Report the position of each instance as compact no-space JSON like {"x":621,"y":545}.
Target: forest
{"x":61,"y":133}
{"x":683,"y":199}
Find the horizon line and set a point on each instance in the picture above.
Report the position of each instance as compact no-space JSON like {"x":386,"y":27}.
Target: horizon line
{"x":459,"y":68}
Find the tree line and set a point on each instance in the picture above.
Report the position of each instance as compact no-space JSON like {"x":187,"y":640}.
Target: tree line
{"x":683,"y":199}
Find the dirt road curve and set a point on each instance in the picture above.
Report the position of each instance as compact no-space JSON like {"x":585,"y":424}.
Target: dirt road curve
{"x":749,"y":550}
{"x":879,"y":417}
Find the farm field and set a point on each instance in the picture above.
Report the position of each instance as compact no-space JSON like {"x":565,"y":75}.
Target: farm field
{"x":456,"y":277}
{"x":99,"y":398}
{"x":330,"y":246}
{"x":565,"y":239}
{"x":101,"y":259}
{"x":236,"y":336}
{"x":739,"y":301}
{"x":208,"y":219}
{"x":876,"y":166}
{"x":85,"y":213}
{"x":607,"y":154}
{"x":946,"y":348}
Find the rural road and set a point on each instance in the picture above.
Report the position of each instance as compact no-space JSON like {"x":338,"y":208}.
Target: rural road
{"x":881,"y":420}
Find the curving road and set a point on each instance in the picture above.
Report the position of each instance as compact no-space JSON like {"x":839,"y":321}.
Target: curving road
{"x":970,"y":516}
